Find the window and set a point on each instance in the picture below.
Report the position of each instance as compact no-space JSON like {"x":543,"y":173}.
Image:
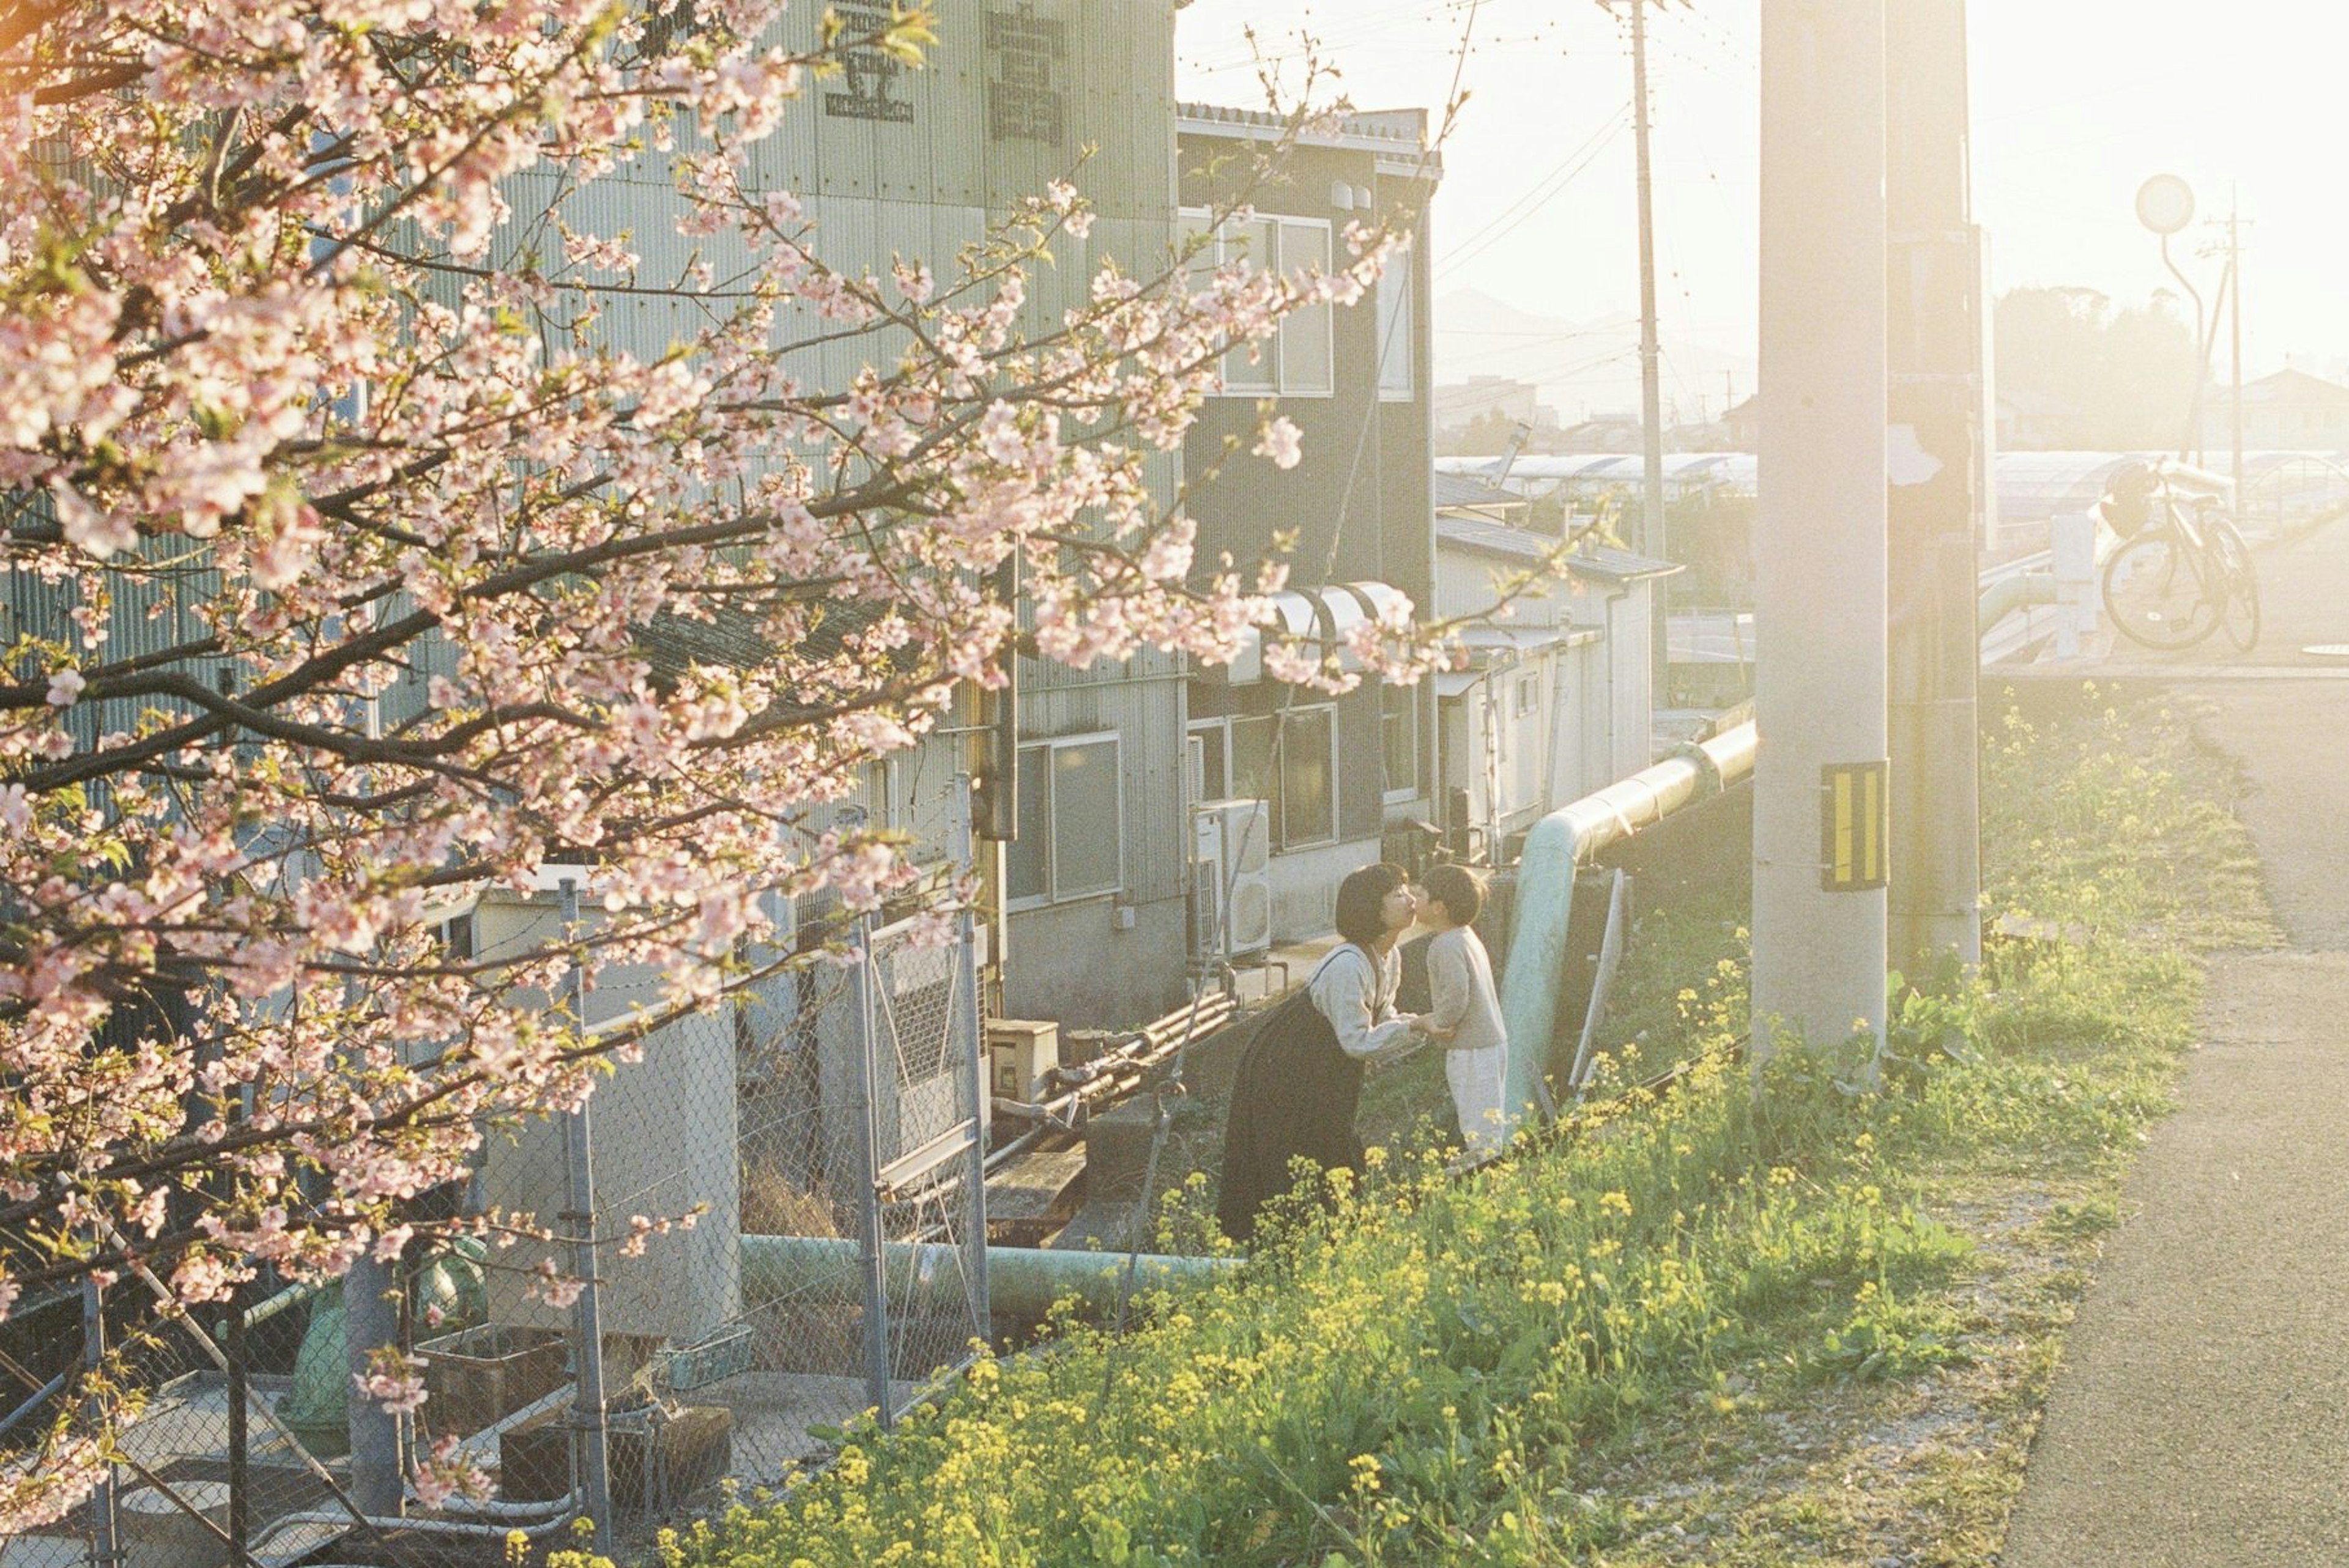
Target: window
{"x":456,"y":937}
{"x":1528,"y":693}
{"x":1399,"y":739}
{"x":1296,"y":360}
{"x":1208,"y":756}
{"x":1394,"y":327}
{"x":1072,"y":840}
{"x":1301,"y":781}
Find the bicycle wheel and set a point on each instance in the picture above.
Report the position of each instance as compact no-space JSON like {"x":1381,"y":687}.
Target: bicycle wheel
{"x":2240,"y":615}
{"x":2154,"y":592}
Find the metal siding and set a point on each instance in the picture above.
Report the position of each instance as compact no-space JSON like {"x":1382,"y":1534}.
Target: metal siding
{"x":1361,"y":804}
{"x":956,"y":105}
{"x":1148,"y":716}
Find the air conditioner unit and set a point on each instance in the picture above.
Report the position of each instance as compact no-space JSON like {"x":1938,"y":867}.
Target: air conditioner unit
{"x":1231,"y":852}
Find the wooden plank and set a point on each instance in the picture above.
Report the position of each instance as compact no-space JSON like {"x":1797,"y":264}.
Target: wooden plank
{"x":1033,"y":1195}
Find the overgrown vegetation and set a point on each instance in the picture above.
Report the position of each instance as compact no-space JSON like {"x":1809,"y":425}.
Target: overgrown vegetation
{"x":1717,"y":1327}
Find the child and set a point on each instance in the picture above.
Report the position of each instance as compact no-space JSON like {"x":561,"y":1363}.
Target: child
{"x":1460,"y":982}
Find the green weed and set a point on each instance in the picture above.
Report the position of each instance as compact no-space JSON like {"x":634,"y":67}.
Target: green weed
{"x":1576,"y":1355}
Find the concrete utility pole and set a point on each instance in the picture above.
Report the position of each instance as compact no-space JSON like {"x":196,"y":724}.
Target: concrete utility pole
{"x":1652,"y":527}
{"x":1935,"y":350}
{"x":1820,"y":803}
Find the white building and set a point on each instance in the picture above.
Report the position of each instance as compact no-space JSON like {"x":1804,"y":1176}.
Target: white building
{"x":1559,"y":698}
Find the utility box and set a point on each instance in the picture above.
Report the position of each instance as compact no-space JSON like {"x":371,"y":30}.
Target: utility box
{"x":1021,"y":1054}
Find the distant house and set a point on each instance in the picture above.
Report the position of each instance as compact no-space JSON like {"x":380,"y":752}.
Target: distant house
{"x":1464,"y":495}
{"x":1601,"y":433}
{"x":2288,"y":411}
{"x":1556,"y":698}
{"x":1743,"y":423}
{"x":1459,"y":404}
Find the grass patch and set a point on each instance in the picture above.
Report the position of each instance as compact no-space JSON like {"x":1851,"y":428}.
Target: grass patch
{"x":1804,"y":1327}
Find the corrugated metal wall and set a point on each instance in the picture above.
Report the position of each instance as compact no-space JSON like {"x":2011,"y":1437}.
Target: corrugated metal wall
{"x":892,"y":162}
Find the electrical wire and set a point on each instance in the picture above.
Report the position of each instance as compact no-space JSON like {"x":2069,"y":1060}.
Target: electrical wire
{"x":1544,"y":192}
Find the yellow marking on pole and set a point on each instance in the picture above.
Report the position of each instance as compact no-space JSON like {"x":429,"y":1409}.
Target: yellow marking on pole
{"x":1842,"y":827}
{"x":1853,"y":832}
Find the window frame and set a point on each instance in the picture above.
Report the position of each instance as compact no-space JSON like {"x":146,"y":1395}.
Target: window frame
{"x":1397,"y":304}
{"x":1270,"y":375}
{"x":1054,"y":894}
{"x":1408,"y":696}
{"x":1274,"y":792}
{"x":1201,"y":733}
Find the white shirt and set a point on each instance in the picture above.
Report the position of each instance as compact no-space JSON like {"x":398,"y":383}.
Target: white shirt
{"x":1460,"y":986}
{"x":1356,"y":993}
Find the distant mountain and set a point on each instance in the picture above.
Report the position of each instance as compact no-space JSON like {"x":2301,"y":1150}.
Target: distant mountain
{"x":1585,"y":368}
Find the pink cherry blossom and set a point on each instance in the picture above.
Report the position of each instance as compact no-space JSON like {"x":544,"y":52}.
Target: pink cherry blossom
{"x":1279,"y":441}
{"x":461,"y":548}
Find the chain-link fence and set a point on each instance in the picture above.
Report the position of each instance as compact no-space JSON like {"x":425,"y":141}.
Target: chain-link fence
{"x":825,"y":1141}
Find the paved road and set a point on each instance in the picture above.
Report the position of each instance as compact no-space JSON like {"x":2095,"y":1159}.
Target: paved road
{"x":2200,"y":1418}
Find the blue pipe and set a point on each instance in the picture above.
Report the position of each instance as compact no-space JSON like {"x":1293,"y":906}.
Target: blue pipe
{"x":1544,"y":896}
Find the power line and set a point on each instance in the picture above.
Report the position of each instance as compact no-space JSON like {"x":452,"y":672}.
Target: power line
{"x":1544,"y":192}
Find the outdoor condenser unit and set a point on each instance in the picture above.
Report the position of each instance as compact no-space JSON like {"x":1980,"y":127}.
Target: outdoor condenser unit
{"x":1231,"y":852}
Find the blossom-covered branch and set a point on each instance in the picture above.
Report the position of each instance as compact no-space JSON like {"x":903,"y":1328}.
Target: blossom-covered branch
{"x":438,"y":568}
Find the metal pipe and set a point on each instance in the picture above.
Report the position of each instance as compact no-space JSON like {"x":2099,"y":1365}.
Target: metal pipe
{"x":1611,"y":954}
{"x":2194,"y":429}
{"x":1558,"y":844}
{"x":974,"y":1068}
{"x":240,"y":1443}
{"x":49,"y":1390}
{"x":2235,"y":317}
{"x":1120,"y":1068}
{"x":587,"y":1321}
{"x":415,"y":1525}
{"x":1025,"y":1280}
{"x":2008,"y":594}
{"x":263,"y":1311}
{"x":873,"y":1266}
{"x":104,"y":1543}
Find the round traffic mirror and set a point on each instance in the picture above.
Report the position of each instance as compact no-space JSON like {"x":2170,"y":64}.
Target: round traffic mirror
{"x":2164,"y":204}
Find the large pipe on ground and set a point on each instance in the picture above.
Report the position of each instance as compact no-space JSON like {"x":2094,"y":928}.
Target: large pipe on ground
{"x":2008,"y":594}
{"x":1022,"y":1280}
{"x":1544,"y":897}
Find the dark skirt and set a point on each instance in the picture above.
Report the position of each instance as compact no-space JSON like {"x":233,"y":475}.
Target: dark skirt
{"x":1293,"y":1098}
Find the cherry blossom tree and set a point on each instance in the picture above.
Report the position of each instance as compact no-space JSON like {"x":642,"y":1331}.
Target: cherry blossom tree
{"x":294,"y":378}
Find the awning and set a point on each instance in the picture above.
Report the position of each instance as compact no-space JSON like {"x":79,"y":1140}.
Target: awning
{"x":1319,"y":618}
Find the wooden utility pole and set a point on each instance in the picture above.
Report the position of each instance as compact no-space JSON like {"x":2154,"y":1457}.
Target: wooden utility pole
{"x":1935,"y":349}
{"x":1819,"y":783}
{"x":1652,"y":529}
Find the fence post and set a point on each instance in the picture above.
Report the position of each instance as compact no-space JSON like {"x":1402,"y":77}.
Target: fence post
{"x":587,"y":1324}
{"x":868,"y":1179}
{"x":974,"y":1066}
{"x":104,"y":1549}
{"x":240,"y":1439}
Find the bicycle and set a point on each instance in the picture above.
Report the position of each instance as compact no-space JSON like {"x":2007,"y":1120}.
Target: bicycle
{"x":2183,"y":570}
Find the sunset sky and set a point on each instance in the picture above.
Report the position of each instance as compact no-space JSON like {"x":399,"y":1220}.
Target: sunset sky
{"x":2075,"y":103}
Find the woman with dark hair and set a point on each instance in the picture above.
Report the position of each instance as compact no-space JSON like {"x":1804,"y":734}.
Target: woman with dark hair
{"x":1300,"y":1076}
